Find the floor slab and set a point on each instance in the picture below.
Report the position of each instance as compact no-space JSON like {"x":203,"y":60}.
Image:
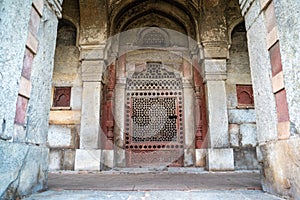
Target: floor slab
{"x":153,"y":185}
{"x":153,"y":195}
{"x":154,"y":181}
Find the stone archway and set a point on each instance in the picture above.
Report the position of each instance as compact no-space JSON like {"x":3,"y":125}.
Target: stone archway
{"x":276,"y":89}
{"x":171,"y":61}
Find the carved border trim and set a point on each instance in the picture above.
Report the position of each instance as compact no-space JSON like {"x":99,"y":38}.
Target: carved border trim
{"x":55,"y":6}
{"x":245,"y":5}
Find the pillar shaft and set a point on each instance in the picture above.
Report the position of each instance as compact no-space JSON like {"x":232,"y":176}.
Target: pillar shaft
{"x":215,"y":74}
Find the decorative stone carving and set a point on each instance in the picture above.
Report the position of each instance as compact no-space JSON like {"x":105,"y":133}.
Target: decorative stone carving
{"x":55,"y":6}
{"x":154,"y":117}
{"x":153,"y":37}
{"x":245,"y":5}
{"x":245,"y":95}
{"x":62,"y":97}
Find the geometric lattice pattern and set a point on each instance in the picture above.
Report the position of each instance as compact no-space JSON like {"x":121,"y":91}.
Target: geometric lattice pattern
{"x":154,"y":38}
{"x":154,"y":119}
{"x":154,"y":110}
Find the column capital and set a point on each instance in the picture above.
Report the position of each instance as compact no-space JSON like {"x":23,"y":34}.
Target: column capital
{"x":92,"y":52}
{"x":92,"y":70}
{"x":214,"y":69}
{"x":215,"y":49}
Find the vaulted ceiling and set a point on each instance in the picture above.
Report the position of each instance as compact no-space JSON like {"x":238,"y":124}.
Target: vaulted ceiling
{"x":178,"y":15}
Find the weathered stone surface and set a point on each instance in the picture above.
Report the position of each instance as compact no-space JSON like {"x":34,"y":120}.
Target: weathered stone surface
{"x":68,"y":159}
{"x":119,"y":113}
{"x":189,"y":157}
{"x":238,"y":66}
{"x":259,"y":154}
{"x":248,"y":135}
{"x":90,"y":127}
{"x":107,"y":159}
{"x":11,"y":59}
{"x":76,"y":98}
{"x":200,"y":157}
{"x":288,"y":22}
{"x":39,"y":104}
{"x":234,"y":132}
{"x":220,"y":160}
{"x":93,"y":31}
{"x":23,"y":169}
{"x":261,"y":76}
{"x":120,"y":159}
{"x":245,"y":159}
{"x":164,"y":194}
{"x":188,"y":93}
{"x":55,"y":159}
{"x":239,"y":116}
{"x":71,"y":11}
{"x":64,"y":117}
{"x":87,"y":159}
{"x":92,"y":52}
{"x":216,"y":103}
{"x":252,"y":12}
{"x":214,"y":21}
{"x":281,"y":167}
{"x":59,"y":137}
{"x":92,"y":70}
{"x":61,"y":159}
{"x":215,"y":66}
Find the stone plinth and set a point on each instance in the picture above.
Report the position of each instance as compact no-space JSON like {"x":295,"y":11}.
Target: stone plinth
{"x":200,"y":157}
{"x":220,"y":160}
{"x":87,"y":160}
{"x":107,"y":159}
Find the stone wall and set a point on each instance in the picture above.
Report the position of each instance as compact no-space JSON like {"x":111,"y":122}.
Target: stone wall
{"x":242,"y":121}
{"x":11,"y":60}
{"x":63,"y":135}
{"x":288,"y":24}
{"x":62,"y":141}
{"x":26,"y":70}
{"x":272,"y":30}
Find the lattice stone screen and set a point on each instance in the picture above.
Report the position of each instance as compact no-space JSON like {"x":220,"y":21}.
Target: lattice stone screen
{"x":154,"y":115}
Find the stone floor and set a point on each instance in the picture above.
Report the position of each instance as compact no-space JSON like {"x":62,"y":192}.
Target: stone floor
{"x":153,"y":185}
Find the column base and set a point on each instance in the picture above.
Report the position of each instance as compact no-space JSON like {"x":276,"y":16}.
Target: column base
{"x":107,"y":159}
{"x":189,"y":155}
{"x":87,"y":160}
{"x":120,"y":160}
{"x":200,"y":155}
{"x":220,"y":159}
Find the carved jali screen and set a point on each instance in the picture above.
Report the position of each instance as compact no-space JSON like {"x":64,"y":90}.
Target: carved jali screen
{"x":154,"y":133}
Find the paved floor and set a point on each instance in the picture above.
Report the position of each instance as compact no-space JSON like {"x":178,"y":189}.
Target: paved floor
{"x":154,"y":185}
{"x":155,"y":181}
{"x":153,"y":195}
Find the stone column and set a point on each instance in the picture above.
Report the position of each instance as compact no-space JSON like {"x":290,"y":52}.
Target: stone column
{"x":273,"y":41}
{"x":88,"y":157}
{"x":119,"y":112}
{"x":189,"y":121}
{"x":26,"y":62}
{"x":220,"y":156}
{"x":108,"y":123}
{"x":199,"y":112}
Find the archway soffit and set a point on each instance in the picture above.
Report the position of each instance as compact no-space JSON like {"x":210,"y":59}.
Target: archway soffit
{"x":175,"y":10}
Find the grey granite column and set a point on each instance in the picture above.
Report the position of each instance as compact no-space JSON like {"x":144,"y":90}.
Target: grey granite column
{"x":88,"y":157}
{"x":220,"y":156}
